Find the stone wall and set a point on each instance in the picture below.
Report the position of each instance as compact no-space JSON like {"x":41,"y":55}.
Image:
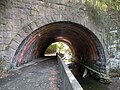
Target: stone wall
{"x":19,"y":18}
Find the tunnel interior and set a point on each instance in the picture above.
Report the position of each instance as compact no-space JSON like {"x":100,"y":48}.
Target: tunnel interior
{"x":60,"y":48}
{"x":83,"y":43}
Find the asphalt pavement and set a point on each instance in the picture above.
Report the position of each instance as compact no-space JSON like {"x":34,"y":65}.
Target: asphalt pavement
{"x":42,"y":75}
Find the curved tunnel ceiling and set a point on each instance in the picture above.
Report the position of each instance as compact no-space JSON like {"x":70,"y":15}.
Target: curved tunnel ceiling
{"x":82,"y":41}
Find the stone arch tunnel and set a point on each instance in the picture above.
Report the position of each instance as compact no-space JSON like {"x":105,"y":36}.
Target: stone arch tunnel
{"x":83,"y":43}
{"x":28,"y":27}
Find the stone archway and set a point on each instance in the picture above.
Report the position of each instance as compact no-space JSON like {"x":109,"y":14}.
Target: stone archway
{"x":87,"y":47}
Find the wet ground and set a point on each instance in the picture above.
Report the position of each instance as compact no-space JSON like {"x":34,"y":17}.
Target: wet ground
{"x":39,"y":76}
{"x":89,"y":83}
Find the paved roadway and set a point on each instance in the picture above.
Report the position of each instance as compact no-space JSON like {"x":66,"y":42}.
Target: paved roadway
{"x":43,"y":75}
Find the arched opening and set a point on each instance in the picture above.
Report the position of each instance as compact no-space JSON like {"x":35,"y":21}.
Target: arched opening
{"x":63,"y":50}
{"x":57,"y":47}
{"x":84,"y":44}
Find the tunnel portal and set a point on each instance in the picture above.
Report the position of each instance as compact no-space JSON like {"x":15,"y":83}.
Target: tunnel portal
{"x":83,"y":43}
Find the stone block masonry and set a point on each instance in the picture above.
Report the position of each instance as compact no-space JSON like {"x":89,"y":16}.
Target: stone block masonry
{"x":19,"y":18}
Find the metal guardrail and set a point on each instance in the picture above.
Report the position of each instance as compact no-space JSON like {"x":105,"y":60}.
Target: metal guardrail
{"x":69,"y":82}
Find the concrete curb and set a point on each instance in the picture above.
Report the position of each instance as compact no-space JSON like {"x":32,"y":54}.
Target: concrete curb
{"x":69,"y":82}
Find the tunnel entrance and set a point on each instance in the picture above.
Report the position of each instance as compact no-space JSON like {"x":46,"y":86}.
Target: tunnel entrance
{"x":61,"y":49}
{"x":84,"y":43}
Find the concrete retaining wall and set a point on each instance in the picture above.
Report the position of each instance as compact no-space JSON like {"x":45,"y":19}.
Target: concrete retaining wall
{"x":69,"y":82}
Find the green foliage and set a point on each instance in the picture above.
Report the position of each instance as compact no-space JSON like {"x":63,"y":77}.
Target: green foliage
{"x":58,"y":47}
{"x":104,"y":4}
{"x":103,"y":12}
{"x":51,"y":49}
{"x":62,"y":48}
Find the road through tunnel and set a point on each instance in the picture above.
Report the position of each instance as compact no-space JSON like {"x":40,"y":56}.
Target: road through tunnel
{"x":83,"y":43}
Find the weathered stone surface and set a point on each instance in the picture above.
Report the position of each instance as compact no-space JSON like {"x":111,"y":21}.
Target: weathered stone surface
{"x":26,"y":16}
{"x":1,"y":34}
{"x":18,"y":39}
{"x":27,"y":29}
{"x":7,"y":34}
{"x":22,"y":34}
{"x":1,"y":48}
{"x":33,"y":26}
{"x":10,"y":52}
{"x":14,"y":45}
{"x":19,"y":18}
